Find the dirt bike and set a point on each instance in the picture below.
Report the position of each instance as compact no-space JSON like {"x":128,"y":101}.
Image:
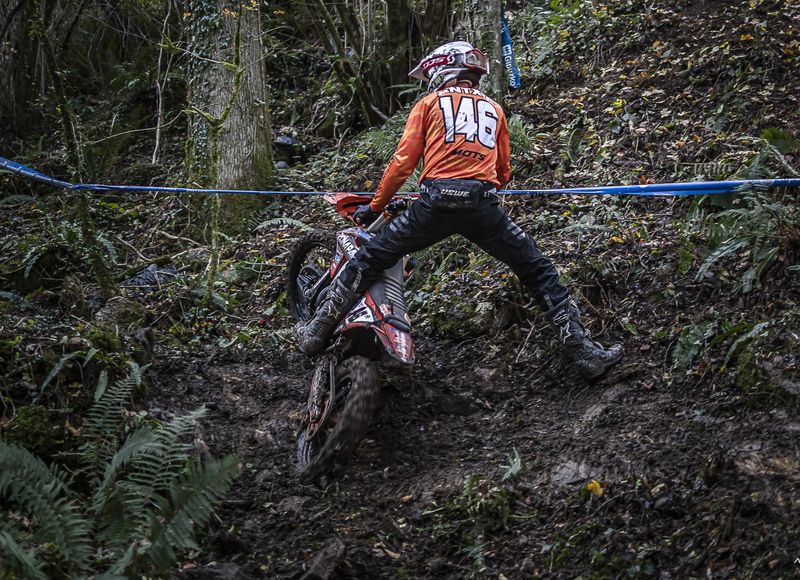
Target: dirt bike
{"x":344,"y":386}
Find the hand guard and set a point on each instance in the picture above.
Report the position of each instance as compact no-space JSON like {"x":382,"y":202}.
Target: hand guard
{"x":364,"y":215}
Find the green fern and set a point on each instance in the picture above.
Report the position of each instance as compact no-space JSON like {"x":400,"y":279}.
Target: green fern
{"x":42,"y":492}
{"x":18,"y":560}
{"x":32,"y":257}
{"x":756,"y":225}
{"x":728,"y":248}
{"x":782,"y":140}
{"x":169,"y":447}
{"x":519,"y":137}
{"x":148,"y":497}
{"x":380,"y":143}
{"x":152,"y":469}
{"x":136,"y":443}
{"x":192,"y":499}
{"x":59,"y":366}
{"x":756,"y":331}
{"x":691,"y":343}
{"x":105,"y":420}
{"x":152,"y":459}
{"x":282,"y":221}
{"x":16,"y":199}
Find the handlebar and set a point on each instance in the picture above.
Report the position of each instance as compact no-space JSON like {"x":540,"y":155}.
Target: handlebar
{"x":393,"y":209}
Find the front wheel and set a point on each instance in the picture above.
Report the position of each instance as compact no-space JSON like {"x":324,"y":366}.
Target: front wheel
{"x":307,"y":274}
{"x":329,"y":448}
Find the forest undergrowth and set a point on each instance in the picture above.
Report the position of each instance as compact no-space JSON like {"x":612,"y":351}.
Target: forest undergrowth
{"x":491,"y":458}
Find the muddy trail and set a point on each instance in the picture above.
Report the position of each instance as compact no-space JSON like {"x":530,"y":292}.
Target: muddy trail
{"x":493,"y":459}
{"x":689,"y":484}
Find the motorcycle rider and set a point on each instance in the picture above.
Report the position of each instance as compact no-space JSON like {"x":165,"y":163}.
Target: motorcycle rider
{"x":462,"y":136}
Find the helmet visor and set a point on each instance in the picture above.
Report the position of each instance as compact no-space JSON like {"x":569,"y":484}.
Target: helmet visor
{"x":476,"y":59}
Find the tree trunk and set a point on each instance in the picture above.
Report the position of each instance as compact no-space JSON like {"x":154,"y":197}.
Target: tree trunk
{"x":432,"y":25}
{"x":480,"y":23}
{"x":230,"y":136}
{"x":17,"y":57}
{"x":396,"y":42}
{"x":343,"y":66}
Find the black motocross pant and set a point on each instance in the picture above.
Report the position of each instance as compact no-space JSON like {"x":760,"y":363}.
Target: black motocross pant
{"x":487,"y":226}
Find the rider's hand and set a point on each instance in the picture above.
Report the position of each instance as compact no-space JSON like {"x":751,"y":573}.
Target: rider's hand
{"x":364,"y":215}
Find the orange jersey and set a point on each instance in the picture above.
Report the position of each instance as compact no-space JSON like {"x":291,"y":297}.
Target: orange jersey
{"x":462,"y":133}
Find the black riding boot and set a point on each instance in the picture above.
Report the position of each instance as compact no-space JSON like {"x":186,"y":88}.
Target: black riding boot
{"x":590,"y":358}
{"x":313,"y":336}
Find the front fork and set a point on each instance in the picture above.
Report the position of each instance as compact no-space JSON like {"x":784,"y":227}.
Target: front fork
{"x":321,"y":397}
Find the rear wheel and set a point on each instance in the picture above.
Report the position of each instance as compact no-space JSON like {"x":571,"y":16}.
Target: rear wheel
{"x":308,"y":264}
{"x":329,"y":449}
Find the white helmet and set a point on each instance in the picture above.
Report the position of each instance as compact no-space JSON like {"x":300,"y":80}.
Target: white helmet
{"x":447,"y":62}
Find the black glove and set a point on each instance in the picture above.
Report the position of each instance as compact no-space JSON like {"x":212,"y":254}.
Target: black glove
{"x":364,"y":215}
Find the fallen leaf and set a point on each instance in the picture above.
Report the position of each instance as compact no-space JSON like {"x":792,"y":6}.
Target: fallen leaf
{"x":595,"y":488}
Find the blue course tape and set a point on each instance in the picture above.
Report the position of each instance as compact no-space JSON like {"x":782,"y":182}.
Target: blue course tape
{"x":650,"y":190}
{"x":32,"y":173}
{"x":662,"y":189}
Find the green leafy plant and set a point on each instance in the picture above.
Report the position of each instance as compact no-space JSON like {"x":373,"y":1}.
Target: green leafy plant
{"x":756,"y":226}
{"x":58,"y":248}
{"x":519,"y":137}
{"x":147,"y":496}
{"x":480,"y":509}
{"x":380,"y":143}
{"x":691,"y":343}
{"x":781,"y":140}
{"x":695,"y":341}
{"x":515,"y":465}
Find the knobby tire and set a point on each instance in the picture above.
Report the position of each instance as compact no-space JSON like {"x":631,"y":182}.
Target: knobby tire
{"x":341,"y":441}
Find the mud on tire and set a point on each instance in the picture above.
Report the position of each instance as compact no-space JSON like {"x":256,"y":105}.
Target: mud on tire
{"x":310,"y":259}
{"x":330,"y":451}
